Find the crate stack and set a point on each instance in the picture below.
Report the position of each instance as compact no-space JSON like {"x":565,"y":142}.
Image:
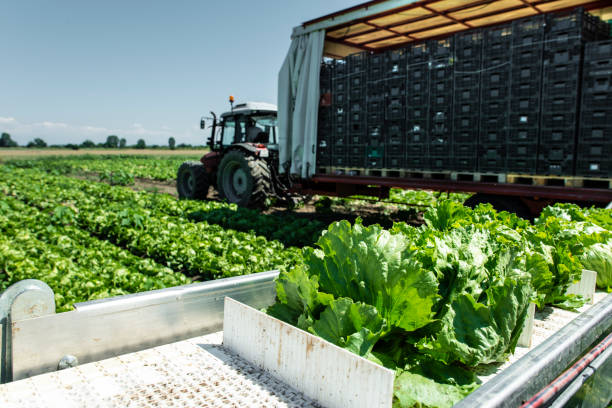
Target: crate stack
{"x":566,"y":34}
{"x":495,"y":98}
{"x":375,"y":109}
{"x":324,"y":123}
{"x":525,"y":95}
{"x":595,"y":133}
{"x":417,"y":106}
{"x":339,"y":111}
{"x":395,"y":141}
{"x":466,"y":97}
{"x":441,"y":71}
{"x":357,"y":82}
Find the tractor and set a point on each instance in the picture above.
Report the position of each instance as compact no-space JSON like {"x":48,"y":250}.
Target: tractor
{"x":242,"y":164}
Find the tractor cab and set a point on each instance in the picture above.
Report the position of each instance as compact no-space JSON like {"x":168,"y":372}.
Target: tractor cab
{"x":247,"y":123}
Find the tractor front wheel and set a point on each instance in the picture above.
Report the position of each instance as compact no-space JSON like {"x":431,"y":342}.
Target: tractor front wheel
{"x":244,"y":180}
{"x":192,"y":181}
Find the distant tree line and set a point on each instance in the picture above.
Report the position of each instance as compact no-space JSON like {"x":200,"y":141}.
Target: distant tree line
{"x":112,"y":142}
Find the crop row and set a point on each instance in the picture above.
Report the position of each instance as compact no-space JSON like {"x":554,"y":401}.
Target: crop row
{"x":144,"y":224}
{"x":78,"y":267}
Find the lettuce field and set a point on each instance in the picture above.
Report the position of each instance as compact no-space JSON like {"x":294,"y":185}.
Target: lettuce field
{"x":430,"y":301}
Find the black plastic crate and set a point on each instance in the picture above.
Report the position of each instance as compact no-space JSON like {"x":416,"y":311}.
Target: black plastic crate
{"x":339,"y":150}
{"x":562,"y":135}
{"x":395,"y":62}
{"x":354,"y":139}
{"x":440,"y":114}
{"x":496,"y":107}
{"x":340,"y":85}
{"x":356,"y":150}
{"x":494,"y":93}
{"x":440,"y":163}
{"x":492,"y":164}
{"x":559,"y":120}
{"x":395,"y":162}
{"x":357,"y":80}
{"x":375,"y":104}
{"x":526,"y":73}
{"x":437,"y":139}
{"x":418,"y":73}
{"x":523,"y":135}
{"x":468,"y":44}
{"x":442,"y":88}
{"x":467,"y":108}
{"x":340,"y":68}
{"x":465,"y":149}
{"x":555,"y":168}
{"x":465,"y":135}
{"x":375,"y":117}
{"x":528,"y":32}
{"x":417,"y":113}
{"x":442,"y":48}
{"x":357,"y":126}
{"x":374,"y":162}
{"x":440,"y":131}
{"x":357,"y":162}
{"x":357,"y":93}
{"x":561,"y":88}
{"x":417,"y":87}
{"x":418,"y":53}
{"x":597,"y":82}
{"x":468,"y":164}
{"x":591,"y":150}
{"x":522,"y":165}
{"x":441,"y":72}
{"x":560,"y":103}
{"x":498,"y":39}
{"x":561,"y":72}
{"x":493,"y":135}
{"x":577,"y":22}
{"x":556,"y":152}
{"x":527,"y":103}
{"x":417,"y":131}
{"x":594,"y":168}
{"x":526,"y":89}
{"x":528,"y":56}
{"x":497,"y":61}
{"x":375,"y":89}
{"x":492,"y":150}
{"x":396,"y":108}
{"x":597,"y":100}
{"x":598,"y":50}
{"x":441,"y":100}
{"x":596,"y":117}
{"x":375,"y":130}
{"x":395,"y":87}
{"x":529,"y":150}
{"x":376,"y":67}
{"x":357,"y":62}
{"x":417,"y":99}
{"x":594,"y":133}
{"x":467,"y":81}
{"x":496,"y":78}
{"x":417,"y":163}
{"x":524,"y":119}
{"x":416,"y":149}
{"x":395,"y":147}
{"x":563,"y":52}
{"x":494,"y":122}
{"x":466,"y":95}
{"x":395,"y":129}
{"x":467,"y":66}
{"x":597,"y":67}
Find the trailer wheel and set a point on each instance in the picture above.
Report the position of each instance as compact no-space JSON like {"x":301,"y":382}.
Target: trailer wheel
{"x":192,"y":181}
{"x":244,"y":180}
{"x":501,"y":203}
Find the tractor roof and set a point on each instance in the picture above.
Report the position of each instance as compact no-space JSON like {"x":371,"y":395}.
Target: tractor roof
{"x":250,"y":107}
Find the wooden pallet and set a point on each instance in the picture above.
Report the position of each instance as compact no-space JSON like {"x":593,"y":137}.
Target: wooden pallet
{"x":479,"y":177}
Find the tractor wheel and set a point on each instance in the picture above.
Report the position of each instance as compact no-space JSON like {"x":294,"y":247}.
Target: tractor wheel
{"x":244,"y":180}
{"x":192,"y":181}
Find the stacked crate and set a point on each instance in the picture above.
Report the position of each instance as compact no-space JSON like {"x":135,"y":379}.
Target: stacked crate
{"x":324,"y":122}
{"x":395,"y":142}
{"x":595,"y":133}
{"x":566,"y":34}
{"x":357,"y":82}
{"x":466,"y":97}
{"x":375,"y":109}
{"x":441,"y":70}
{"x":495,"y":98}
{"x":525,"y":95}
{"x":417,"y":106}
{"x":340,"y":113}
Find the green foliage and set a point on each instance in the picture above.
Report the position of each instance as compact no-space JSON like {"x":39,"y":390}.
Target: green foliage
{"x":598,"y":257}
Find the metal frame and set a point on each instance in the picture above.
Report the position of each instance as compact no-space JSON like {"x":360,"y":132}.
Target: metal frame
{"x":328,"y":183}
{"x":106,"y":328}
{"x":375,"y":9}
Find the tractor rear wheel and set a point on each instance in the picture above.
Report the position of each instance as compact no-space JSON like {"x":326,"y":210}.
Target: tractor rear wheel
{"x":244,"y":180}
{"x":192,"y":181}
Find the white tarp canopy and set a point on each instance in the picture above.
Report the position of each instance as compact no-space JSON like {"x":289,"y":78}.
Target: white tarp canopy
{"x":298,"y":104}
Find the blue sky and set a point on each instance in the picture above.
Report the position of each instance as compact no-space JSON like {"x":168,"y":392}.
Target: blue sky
{"x":76,"y":70}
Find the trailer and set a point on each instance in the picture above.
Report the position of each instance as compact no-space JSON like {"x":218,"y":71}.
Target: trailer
{"x":326,"y":143}
{"x":206,"y":344}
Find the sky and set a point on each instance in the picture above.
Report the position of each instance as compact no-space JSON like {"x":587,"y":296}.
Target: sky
{"x":75,"y":70}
